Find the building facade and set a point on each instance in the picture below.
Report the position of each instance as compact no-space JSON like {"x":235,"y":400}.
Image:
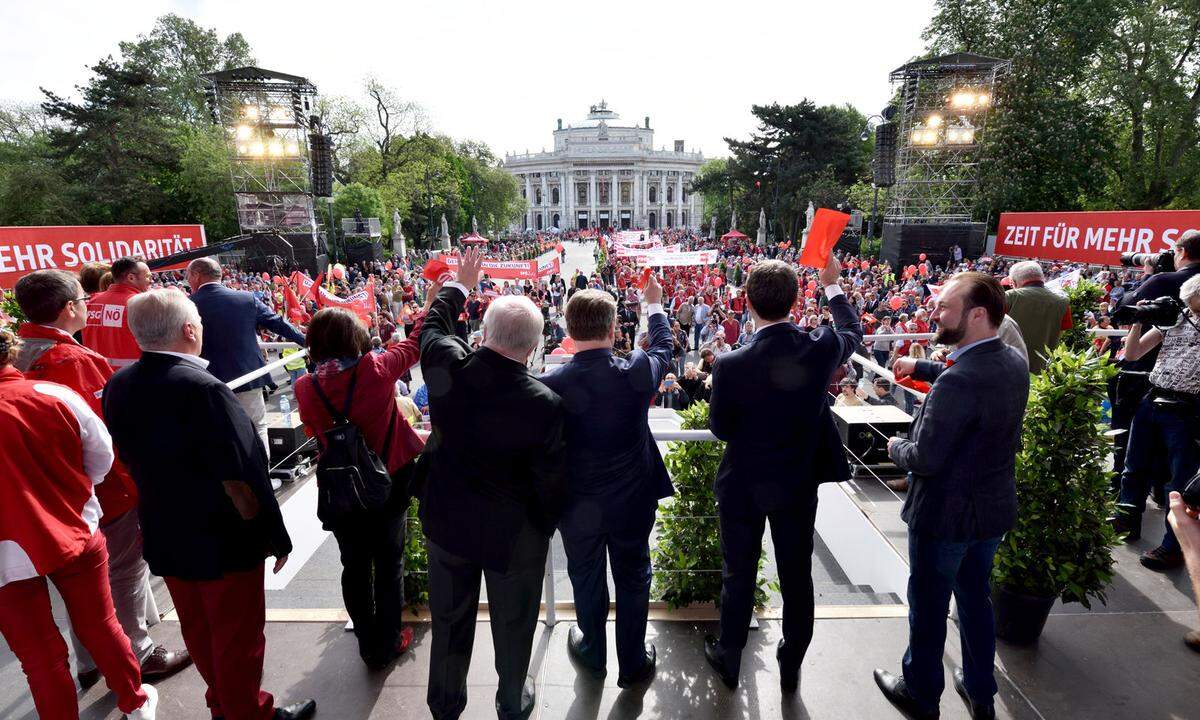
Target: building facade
{"x":605,"y":174}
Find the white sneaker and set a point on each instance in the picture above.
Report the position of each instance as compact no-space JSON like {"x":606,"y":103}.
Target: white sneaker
{"x":276,"y":483}
{"x":146,"y":711}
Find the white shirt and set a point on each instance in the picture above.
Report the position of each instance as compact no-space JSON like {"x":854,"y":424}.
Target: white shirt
{"x":193,"y":359}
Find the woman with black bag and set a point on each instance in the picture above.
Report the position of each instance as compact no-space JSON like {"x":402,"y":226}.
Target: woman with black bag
{"x":351,"y":398}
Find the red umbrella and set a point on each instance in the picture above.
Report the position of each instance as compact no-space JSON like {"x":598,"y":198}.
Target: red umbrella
{"x":733,"y":235}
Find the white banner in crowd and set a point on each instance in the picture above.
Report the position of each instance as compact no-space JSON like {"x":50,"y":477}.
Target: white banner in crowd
{"x":1064,"y":281}
{"x":678,"y":259}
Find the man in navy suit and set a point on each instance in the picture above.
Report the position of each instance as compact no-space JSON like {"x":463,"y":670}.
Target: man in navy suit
{"x":771,"y":407}
{"x":231,"y":321}
{"x":961,"y":451}
{"x":616,"y":480}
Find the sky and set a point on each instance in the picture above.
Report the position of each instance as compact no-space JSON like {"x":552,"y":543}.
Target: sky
{"x":503,"y":72}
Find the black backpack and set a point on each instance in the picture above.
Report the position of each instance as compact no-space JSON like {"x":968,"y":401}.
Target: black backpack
{"x":351,"y":478}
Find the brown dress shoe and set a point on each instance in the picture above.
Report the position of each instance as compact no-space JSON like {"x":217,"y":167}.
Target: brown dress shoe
{"x":164,"y":663}
{"x":1160,"y":559}
{"x":898,"y":485}
{"x":1192,"y":640}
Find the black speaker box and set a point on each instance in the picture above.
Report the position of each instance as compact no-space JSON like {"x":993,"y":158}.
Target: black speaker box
{"x":903,"y":243}
{"x":864,"y":430}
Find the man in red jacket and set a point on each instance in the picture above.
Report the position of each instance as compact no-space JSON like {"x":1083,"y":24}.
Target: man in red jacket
{"x":53,"y":303}
{"x":48,"y":519}
{"x":107,"y":330}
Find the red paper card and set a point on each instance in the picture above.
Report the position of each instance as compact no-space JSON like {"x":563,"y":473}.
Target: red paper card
{"x":434,"y":269}
{"x":827,"y":227}
{"x":644,"y":278}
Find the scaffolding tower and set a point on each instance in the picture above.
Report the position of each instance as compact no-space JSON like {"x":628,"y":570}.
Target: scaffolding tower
{"x":266,"y":116}
{"x":943,"y":110}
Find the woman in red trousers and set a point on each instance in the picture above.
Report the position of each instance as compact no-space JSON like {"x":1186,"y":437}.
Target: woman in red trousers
{"x":53,"y":450}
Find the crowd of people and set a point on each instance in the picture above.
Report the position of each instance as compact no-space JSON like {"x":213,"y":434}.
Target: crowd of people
{"x":129,"y":376}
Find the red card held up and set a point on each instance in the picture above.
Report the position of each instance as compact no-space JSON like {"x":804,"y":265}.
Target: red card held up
{"x":435,"y":269}
{"x":644,"y":278}
{"x":827,"y":227}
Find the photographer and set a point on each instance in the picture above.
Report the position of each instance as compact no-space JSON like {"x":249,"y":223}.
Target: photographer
{"x":1159,"y":283}
{"x":1167,"y":422}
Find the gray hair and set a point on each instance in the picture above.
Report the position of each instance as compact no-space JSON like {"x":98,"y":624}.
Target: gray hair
{"x":205,"y":267}
{"x":1026,"y":271}
{"x":1190,"y":289}
{"x":513,"y":323}
{"x":157,"y":317}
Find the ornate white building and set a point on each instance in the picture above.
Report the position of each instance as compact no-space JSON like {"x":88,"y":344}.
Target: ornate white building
{"x":606,"y":174}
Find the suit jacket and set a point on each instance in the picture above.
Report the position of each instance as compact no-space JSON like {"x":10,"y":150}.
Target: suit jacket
{"x":231,"y":321}
{"x":615,"y":464}
{"x":495,"y":455}
{"x":964,"y":443}
{"x":182,"y":434}
{"x":770,"y":405}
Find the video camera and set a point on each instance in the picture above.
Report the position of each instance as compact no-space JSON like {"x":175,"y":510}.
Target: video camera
{"x":1163,"y":312}
{"x":1161,"y":261}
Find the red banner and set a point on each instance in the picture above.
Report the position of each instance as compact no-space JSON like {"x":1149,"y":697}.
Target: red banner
{"x":26,"y":249}
{"x":361,"y":303}
{"x":1098,"y":238}
{"x":544,"y":266}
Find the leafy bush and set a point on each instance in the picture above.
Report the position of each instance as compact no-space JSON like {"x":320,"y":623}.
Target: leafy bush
{"x":1062,"y":545}
{"x":687,"y":556}
{"x":10,"y":311}
{"x":1084,"y":296}
{"x":416,"y":561}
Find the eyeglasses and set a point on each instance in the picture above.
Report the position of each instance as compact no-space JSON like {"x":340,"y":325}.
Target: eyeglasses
{"x":85,"y":298}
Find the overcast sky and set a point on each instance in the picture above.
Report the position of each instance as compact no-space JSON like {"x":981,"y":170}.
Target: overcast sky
{"x":503,"y":72}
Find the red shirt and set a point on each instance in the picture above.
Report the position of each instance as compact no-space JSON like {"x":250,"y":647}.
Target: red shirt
{"x":374,"y":408}
{"x":66,"y":362}
{"x":107,"y":330}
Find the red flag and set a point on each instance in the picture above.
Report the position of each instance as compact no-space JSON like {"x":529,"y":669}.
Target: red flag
{"x":827,"y":227}
{"x":434,"y":270}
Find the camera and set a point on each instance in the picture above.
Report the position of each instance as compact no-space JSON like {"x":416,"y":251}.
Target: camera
{"x":1161,"y":261}
{"x":1163,"y":312}
{"x":1191,"y":492}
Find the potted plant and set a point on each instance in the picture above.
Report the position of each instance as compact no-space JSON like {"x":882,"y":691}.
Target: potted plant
{"x":687,"y":556}
{"x":1061,"y":546}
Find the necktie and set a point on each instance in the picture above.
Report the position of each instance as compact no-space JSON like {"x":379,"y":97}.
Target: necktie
{"x":949,"y":362}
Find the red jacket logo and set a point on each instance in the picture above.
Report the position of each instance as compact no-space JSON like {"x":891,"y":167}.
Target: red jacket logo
{"x":113,"y":316}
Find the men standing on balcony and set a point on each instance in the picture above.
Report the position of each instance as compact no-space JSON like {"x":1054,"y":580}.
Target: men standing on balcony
{"x":617,"y":477}
{"x":769,"y":405}
{"x":107,"y":330}
{"x":962,"y":455}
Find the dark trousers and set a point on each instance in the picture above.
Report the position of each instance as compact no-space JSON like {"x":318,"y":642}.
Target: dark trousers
{"x":628,"y":549}
{"x":222,"y":624}
{"x":514,"y":598}
{"x":881,"y":357}
{"x":1160,"y":433}
{"x":741,"y":545}
{"x":938,"y":569}
{"x":372,"y":550}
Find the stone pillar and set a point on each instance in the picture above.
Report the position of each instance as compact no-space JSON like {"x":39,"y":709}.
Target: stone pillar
{"x":529,"y":201}
{"x":636,"y":220}
{"x":662,"y":199}
{"x":614,"y":219}
{"x":679,"y":199}
{"x":567,"y":183}
{"x":545,"y":202}
{"x":592,"y":198}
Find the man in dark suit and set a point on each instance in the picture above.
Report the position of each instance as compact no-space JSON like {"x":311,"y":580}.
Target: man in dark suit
{"x":493,"y":494}
{"x":617,"y":477}
{"x":231,"y":322}
{"x":208,"y":515}
{"x":963,"y":498}
{"x":770,"y":405}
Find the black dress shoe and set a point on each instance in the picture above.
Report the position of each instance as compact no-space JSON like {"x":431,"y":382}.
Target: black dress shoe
{"x":979,"y":711}
{"x":894,"y":689}
{"x":789,"y":668}
{"x":88,"y":678}
{"x":642,"y":675}
{"x":1128,"y":521}
{"x":297,"y":711}
{"x":575,"y":650}
{"x":715,"y":656}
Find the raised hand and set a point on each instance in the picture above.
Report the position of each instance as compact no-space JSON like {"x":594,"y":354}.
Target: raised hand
{"x":832,"y":272}
{"x":468,"y":268}
{"x":431,"y":293}
{"x":653,"y":293}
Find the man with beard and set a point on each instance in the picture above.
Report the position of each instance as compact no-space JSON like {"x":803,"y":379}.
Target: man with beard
{"x":963,"y":495}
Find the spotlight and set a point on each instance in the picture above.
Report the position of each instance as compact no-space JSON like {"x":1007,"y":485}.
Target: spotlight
{"x":930,"y":137}
{"x":864,"y":136}
{"x":257,"y":149}
{"x":983,"y":100}
{"x":293,"y":149}
{"x":243,"y":132}
{"x":934,"y":121}
{"x":250,"y":111}
{"x":275,"y":148}
{"x":917,"y":135}
{"x":962,"y":99}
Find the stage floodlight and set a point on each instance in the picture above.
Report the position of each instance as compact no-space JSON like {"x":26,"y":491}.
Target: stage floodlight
{"x":293,"y":149}
{"x":250,"y":111}
{"x":934,"y":121}
{"x":257,"y":149}
{"x":983,"y":100}
{"x":243,"y":132}
{"x":275,"y":148}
